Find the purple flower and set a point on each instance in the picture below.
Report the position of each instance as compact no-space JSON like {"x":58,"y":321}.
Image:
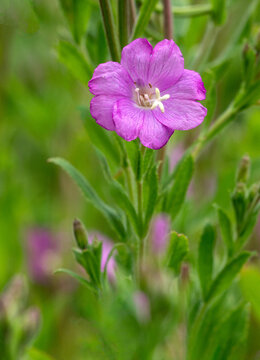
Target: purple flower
{"x":107,"y":246}
{"x":160,"y":233}
{"x":43,"y":255}
{"x":148,"y":95}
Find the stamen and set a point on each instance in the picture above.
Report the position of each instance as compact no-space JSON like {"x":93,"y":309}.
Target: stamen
{"x":150,"y":99}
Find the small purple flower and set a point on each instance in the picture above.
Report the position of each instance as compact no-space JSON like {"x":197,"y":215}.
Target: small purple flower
{"x":148,"y":95}
{"x":160,"y":230}
{"x":107,"y":246}
{"x":42,"y":254}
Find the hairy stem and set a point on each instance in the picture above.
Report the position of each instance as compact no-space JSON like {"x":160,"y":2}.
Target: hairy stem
{"x":168,"y":19}
{"x":132,"y":14}
{"x":222,"y":121}
{"x":109,"y":26}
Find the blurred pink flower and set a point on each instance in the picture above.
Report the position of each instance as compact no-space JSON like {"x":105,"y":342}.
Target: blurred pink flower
{"x":160,"y":230}
{"x":42,"y":254}
{"x":148,"y":95}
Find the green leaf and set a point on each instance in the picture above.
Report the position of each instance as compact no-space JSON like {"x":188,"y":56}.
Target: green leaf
{"x":77,"y":13}
{"x":205,"y":259}
{"x":249,"y":283}
{"x":226,"y":231}
{"x":35,"y":354}
{"x":90,"y":194}
{"x":177,"y":251}
{"x":225,"y":278}
{"x":229,"y":338}
{"x":150,"y":187}
{"x":144,"y":16}
{"x":132,"y":150}
{"x":100,"y":137}
{"x":75,"y":61}
{"x":147,"y":161}
{"x":182,"y":180}
{"x":77,"y":277}
{"x":120,"y":195}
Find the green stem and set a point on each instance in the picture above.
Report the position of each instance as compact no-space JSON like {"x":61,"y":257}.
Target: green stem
{"x":145,"y":12}
{"x":123,"y":20}
{"x":109,"y":26}
{"x":222,"y":121}
{"x":129,"y":182}
{"x":188,"y":11}
{"x":205,"y":47}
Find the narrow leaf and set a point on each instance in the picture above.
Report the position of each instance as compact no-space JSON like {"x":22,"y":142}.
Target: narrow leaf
{"x":144,"y":16}
{"x":79,"y":278}
{"x":182,"y":180}
{"x":75,"y":61}
{"x":91,"y":195}
{"x":226,"y":231}
{"x":120,"y":195}
{"x":227,"y":275}
{"x":205,"y":260}
{"x":150,"y":194}
{"x":100,"y":137}
{"x":178,"y":249}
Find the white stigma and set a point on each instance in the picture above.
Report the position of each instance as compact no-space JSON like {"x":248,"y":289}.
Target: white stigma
{"x":159,"y":99}
{"x":151,"y":100}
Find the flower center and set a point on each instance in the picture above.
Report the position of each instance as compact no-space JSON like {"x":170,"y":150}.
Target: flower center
{"x":149,"y":97}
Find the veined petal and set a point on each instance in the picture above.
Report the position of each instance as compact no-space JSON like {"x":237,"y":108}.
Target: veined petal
{"x":101,"y":109}
{"x":190,"y":87}
{"x":128,"y":119}
{"x":112,"y":79}
{"x":153,"y":134}
{"x":181,"y":114}
{"x":166,"y":65}
{"x":136,"y":59}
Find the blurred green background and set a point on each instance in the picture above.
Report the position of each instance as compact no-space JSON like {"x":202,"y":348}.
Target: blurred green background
{"x":40,"y":117}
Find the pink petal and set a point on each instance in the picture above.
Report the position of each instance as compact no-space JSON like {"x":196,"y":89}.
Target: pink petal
{"x":153,"y":134}
{"x":181,"y":114}
{"x":128,"y":119}
{"x":112,"y":79}
{"x":166,"y":65}
{"x":101,"y":109}
{"x":189,"y":87}
{"x":136,"y":59}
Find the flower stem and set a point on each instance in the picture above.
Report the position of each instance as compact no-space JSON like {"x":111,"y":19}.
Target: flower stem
{"x":205,"y":47}
{"x":123,"y":18}
{"x":224,"y":119}
{"x":132,"y":14}
{"x":168,"y":32}
{"x":168,"y":19}
{"x":109,"y":26}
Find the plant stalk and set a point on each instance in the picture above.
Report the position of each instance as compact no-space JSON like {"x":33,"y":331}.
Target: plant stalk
{"x":123,"y":19}
{"x":110,"y":31}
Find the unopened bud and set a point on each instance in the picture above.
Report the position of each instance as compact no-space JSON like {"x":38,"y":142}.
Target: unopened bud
{"x":14,"y":297}
{"x":80,"y":234}
{"x":239,"y":201}
{"x":254,"y":192}
{"x":243,"y":170}
{"x":30,"y":324}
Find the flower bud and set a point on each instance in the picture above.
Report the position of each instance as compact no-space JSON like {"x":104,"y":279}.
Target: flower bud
{"x":80,"y":234}
{"x":30,"y":325}
{"x":239,"y":201}
{"x":243,"y":170}
{"x":14,"y":298}
{"x":254,"y":192}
